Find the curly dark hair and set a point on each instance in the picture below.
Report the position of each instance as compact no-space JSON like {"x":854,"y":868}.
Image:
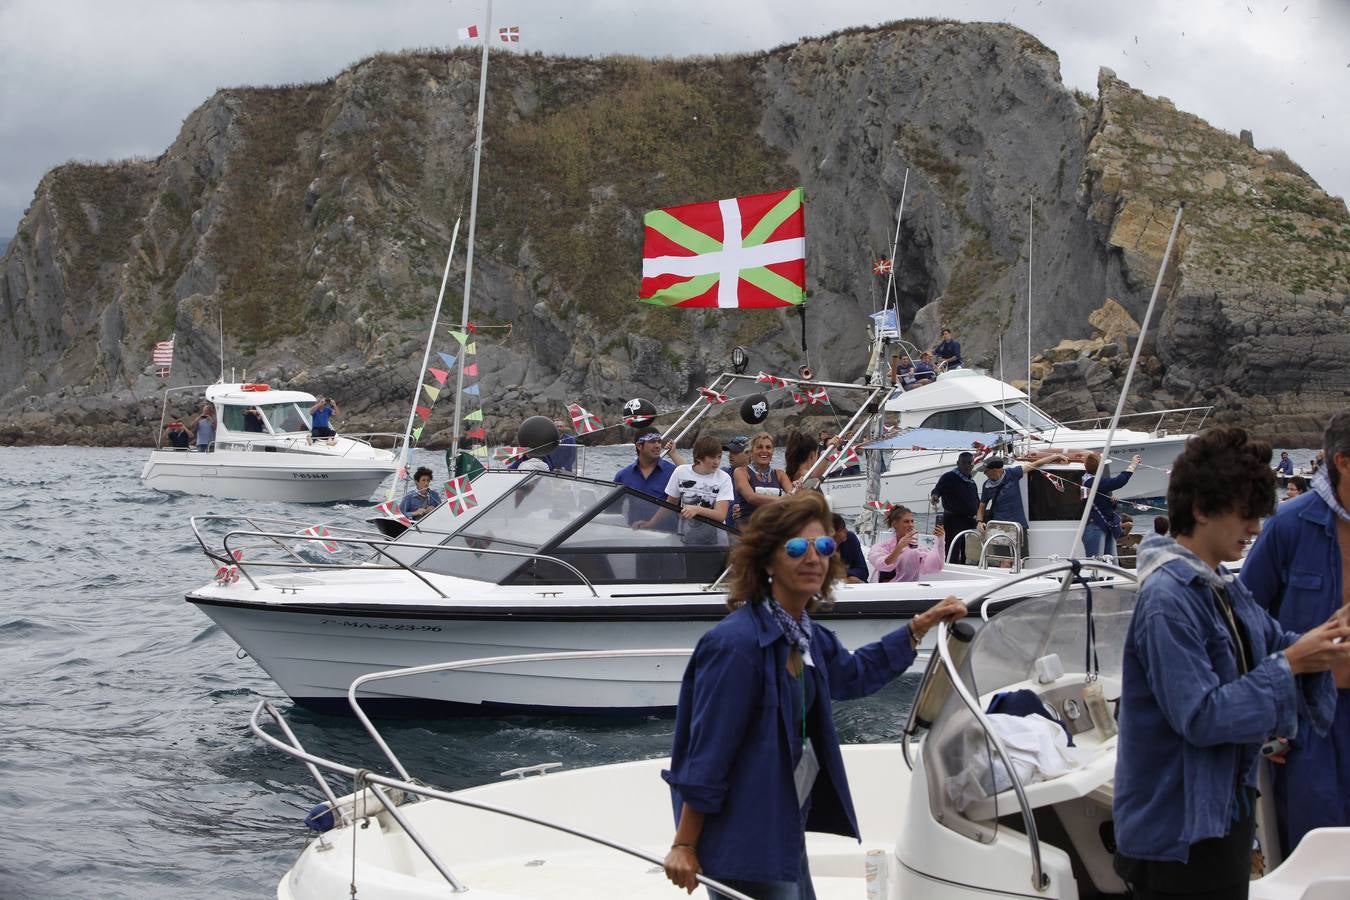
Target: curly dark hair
{"x":761,"y":537}
{"x":1221,"y":470}
{"x":423,"y":470}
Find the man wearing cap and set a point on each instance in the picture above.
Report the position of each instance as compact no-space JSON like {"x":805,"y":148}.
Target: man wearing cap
{"x":1001,"y":499}
{"x":649,"y":473}
{"x":960,"y":500}
{"x":738,"y":454}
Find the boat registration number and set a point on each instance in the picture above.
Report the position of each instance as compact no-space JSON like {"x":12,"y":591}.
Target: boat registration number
{"x":381,"y":626}
{"x":309,"y":474}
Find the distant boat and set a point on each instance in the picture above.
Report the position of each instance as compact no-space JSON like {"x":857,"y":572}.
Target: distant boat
{"x":280,"y":462}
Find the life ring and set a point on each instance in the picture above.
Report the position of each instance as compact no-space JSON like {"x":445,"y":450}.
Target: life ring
{"x":255,"y":387}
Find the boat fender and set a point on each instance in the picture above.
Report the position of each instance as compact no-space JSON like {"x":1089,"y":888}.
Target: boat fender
{"x":639,"y":413}
{"x":320,"y":818}
{"x":806,"y":373}
{"x":539,"y":434}
{"x":255,"y":387}
{"x":754,"y":409}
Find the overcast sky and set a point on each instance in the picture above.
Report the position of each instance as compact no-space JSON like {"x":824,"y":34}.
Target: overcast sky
{"x":106,"y":79}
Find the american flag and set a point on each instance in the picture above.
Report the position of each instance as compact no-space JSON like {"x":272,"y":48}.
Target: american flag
{"x":163,"y":357}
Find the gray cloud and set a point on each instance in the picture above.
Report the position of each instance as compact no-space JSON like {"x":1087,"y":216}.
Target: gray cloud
{"x":96,"y":81}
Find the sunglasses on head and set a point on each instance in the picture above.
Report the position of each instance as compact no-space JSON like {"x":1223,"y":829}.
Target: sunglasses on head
{"x":796,"y":547}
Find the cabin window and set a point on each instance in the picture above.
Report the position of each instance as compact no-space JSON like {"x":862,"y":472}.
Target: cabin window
{"x":975,"y":418}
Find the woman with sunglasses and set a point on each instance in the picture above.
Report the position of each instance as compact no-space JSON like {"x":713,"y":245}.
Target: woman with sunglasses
{"x":756,"y":759}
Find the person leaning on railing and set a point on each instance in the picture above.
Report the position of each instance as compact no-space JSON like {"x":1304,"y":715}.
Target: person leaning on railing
{"x":743,"y":800}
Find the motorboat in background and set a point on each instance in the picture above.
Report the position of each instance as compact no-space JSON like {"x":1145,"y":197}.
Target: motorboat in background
{"x":955,"y":815}
{"x":279,"y":462}
{"x":528,"y":561}
{"x":965,"y":400}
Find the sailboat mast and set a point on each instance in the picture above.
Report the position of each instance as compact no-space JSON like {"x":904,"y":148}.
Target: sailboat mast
{"x":890,"y":283}
{"x":1031,"y":221}
{"x":473,"y":222}
{"x":426,"y":354}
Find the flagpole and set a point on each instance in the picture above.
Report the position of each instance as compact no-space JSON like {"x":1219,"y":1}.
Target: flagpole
{"x":895,"y":244}
{"x":1031,"y":220}
{"x":426,"y":355}
{"x":473,"y":221}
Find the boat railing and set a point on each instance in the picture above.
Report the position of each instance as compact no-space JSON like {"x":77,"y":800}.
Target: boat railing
{"x":366,"y":780}
{"x":232,"y":556}
{"x":1006,"y":533}
{"x":1181,"y":420}
{"x":301,"y":442}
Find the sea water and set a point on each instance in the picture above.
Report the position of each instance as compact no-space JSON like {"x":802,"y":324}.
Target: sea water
{"x":128,"y":767}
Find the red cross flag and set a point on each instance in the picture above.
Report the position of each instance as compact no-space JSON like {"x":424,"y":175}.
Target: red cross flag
{"x":583,"y":422}
{"x":509,"y":34}
{"x":389,"y":509}
{"x":320,"y":533}
{"x":741,"y":253}
{"x":507,"y":455}
{"x":713,"y":397}
{"x":878,"y":505}
{"x":459,"y":494}
{"x":882,"y":267}
{"x":850,"y":458}
{"x":229,"y":574}
{"x":766,"y":378}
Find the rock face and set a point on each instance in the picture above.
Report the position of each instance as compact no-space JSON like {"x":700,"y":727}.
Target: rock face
{"x":314,"y":220}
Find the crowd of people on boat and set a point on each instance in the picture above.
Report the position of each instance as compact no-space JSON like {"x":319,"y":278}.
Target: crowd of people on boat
{"x":907,"y":373}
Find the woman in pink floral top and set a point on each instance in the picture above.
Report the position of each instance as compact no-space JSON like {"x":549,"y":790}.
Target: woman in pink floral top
{"x":900,"y":556}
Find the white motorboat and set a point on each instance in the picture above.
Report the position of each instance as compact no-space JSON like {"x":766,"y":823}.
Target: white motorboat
{"x":965,"y":400}
{"x":957,"y":815}
{"x":543,"y":562}
{"x":277,"y":460}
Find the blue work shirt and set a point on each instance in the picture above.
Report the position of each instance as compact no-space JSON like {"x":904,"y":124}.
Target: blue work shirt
{"x":949,"y":350}
{"x":413,"y":501}
{"x":1294,"y":571}
{"x":1007,"y":500}
{"x":321,"y":416}
{"x":958,"y":493}
{"x":653,"y":484}
{"x":1286,"y":467}
{"x":738,"y":734}
{"x":855,"y":561}
{"x":1191,"y":724}
{"x":1104,"y":514}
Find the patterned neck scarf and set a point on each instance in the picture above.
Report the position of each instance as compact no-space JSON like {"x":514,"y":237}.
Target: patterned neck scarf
{"x":797,"y":632}
{"x":1322,"y":484}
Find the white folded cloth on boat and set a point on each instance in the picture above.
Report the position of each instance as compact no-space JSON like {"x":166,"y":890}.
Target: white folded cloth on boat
{"x":1038,"y":748}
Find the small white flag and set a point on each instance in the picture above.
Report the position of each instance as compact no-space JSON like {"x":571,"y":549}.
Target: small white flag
{"x":509,"y":35}
{"x":469,"y":33}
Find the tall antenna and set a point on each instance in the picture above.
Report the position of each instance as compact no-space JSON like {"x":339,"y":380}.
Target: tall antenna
{"x":220,"y":320}
{"x":473,"y":222}
{"x":426,"y":354}
{"x":1031,"y":221}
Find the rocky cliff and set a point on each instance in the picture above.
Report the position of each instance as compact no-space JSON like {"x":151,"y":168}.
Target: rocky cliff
{"x":316,"y":219}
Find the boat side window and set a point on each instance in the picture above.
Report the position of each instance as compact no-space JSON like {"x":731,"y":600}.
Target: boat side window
{"x":1028,"y":416}
{"x":231,"y":416}
{"x":285,"y":417}
{"x":973,"y":418}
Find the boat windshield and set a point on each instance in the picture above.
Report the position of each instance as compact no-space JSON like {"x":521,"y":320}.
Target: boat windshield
{"x":962,"y":772}
{"x":588,"y":524}
{"x":1027,"y":415}
{"x":278,"y":418}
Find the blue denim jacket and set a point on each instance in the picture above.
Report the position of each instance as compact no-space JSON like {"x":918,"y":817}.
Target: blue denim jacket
{"x":735,"y":741}
{"x":1190,"y":725}
{"x":1294,"y":571}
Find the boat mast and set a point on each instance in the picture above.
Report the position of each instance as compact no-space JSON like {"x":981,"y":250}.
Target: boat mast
{"x":220,"y":321}
{"x":1129,"y":376}
{"x":426,"y":354}
{"x":1031,"y":219}
{"x":890,"y":283}
{"x":473,"y":221}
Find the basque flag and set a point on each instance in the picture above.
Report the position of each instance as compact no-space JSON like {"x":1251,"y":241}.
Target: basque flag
{"x":742,"y":253}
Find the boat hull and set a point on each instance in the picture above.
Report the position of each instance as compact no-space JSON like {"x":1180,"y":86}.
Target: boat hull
{"x":314,"y":654}
{"x":288,"y":477}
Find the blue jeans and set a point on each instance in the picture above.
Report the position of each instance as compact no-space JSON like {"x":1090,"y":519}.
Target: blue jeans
{"x":801,"y":889}
{"x":1097,"y":541}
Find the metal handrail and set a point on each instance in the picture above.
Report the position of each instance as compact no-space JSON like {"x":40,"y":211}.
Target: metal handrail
{"x":1039,"y":881}
{"x":381,"y":547}
{"x":1162,"y":414}
{"x":409,"y":786}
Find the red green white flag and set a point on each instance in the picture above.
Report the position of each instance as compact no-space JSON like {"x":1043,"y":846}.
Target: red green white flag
{"x":459,"y":494}
{"x":741,"y":253}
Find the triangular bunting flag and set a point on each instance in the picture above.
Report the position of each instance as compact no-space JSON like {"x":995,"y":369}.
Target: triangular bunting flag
{"x":432,"y":392}
{"x":459,"y":336}
{"x":480,"y":433}
{"x":472,"y":389}
{"x":471,"y":370}
{"x":459,"y":494}
{"x":582,"y":421}
{"x":480,"y":451}
{"x":471,"y":349}
{"x":439,"y":374}
{"x":423,"y":412}
{"x":417,"y":433}
{"x":475,"y":416}
{"x":447,"y":359}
